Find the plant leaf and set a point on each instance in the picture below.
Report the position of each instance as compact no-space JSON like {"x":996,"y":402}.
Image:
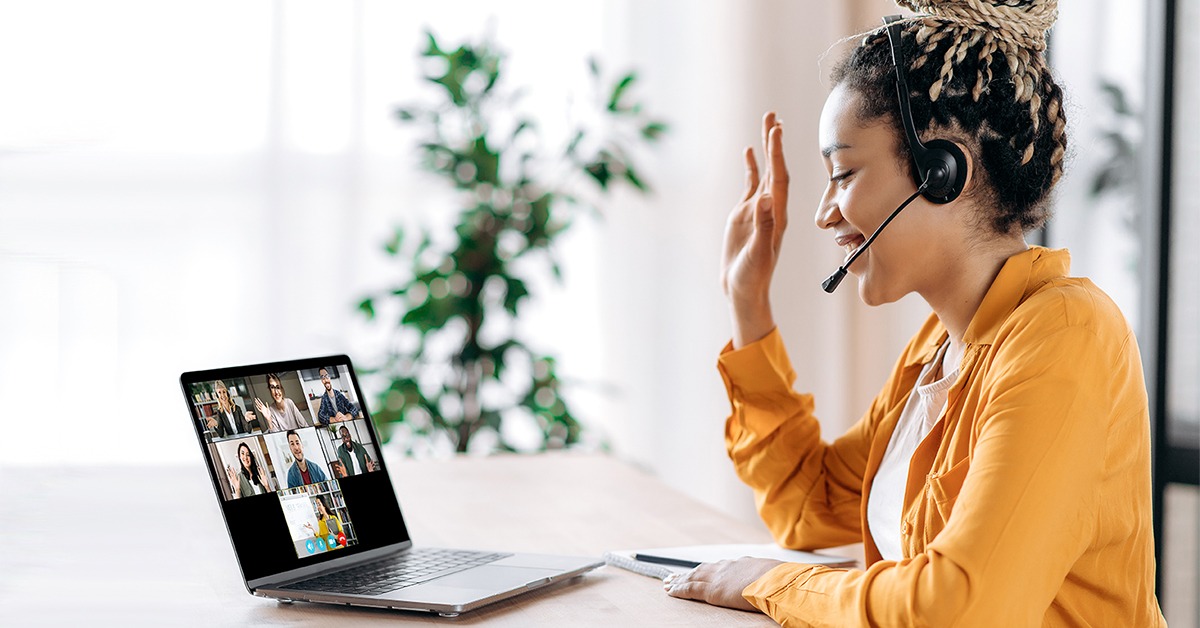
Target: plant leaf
{"x":654,"y":130}
{"x":634,"y":180}
{"x":393,"y":246}
{"x":367,"y":307}
{"x":614,"y":101}
{"x":600,"y":172}
{"x":515,"y":291}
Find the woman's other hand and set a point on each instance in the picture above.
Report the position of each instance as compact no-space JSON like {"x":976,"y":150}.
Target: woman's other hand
{"x":234,"y":486}
{"x":753,"y":235}
{"x":720,"y":583}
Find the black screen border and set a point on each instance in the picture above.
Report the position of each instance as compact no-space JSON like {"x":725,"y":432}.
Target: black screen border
{"x":255,"y":573}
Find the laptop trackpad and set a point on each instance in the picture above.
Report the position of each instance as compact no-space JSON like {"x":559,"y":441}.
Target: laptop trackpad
{"x":494,"y":577}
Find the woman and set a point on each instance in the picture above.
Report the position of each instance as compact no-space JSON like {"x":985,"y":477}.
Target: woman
{"x":282,"y":414}
{"x":228,"y":419}
{"x":327,"y":522}
{"x":1002,"y":475}
{"x":250,"y":478}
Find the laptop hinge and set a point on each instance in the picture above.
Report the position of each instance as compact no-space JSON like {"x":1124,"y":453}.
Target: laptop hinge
{"x":304,"y":573}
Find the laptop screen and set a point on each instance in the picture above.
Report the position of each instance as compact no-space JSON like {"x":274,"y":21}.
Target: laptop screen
{"x":295,"y":460}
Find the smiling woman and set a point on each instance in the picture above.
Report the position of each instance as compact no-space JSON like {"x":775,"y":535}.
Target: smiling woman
{"x":1002,"y":475}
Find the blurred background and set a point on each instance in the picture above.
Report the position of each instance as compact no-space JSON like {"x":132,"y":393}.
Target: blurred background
{"x":191,"y":185}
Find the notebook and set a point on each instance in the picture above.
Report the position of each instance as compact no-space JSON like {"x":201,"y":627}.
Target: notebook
{"x":310,"y":508}
{"x":660,"y":562}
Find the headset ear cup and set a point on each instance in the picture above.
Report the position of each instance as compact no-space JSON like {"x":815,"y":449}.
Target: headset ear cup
{"x":946,"y":164}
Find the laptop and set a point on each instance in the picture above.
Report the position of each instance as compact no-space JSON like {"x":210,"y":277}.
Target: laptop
{"x":310,"y":508}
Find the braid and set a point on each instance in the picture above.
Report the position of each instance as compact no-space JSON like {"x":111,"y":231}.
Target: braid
{"x":983,"y":62}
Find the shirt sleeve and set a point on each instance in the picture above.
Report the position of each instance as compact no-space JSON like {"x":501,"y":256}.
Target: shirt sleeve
{"x":1024,"y":515}
{"x":808,"y":492}
{"x":324,"y":412}
{"x":294,"y":414}
{"x":345,"y":406}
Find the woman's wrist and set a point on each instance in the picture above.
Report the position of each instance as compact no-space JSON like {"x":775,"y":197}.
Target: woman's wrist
{"x":752,"y":321}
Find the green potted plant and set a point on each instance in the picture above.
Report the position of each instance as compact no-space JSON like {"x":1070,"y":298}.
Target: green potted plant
{"x":516,"y":198}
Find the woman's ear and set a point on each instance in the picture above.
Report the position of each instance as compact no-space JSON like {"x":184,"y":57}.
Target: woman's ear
{"x":969,"y":157}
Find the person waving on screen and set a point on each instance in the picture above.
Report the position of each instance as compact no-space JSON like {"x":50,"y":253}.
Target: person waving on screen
{"x":249,"y":478}
{"x":281,"y":413}
{"x":1001,"y":477}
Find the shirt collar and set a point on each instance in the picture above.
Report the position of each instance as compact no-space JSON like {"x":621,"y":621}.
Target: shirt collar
{"x":1021,"y":276}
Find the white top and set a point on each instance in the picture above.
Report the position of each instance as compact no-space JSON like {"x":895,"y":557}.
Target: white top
{"x":290,"y":418}
{"x":886,"y":501}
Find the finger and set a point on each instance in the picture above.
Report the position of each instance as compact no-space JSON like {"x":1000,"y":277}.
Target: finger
{"x":777,"y":167}
{"x":779,"y":177}
{"x":751,"y":173}
{"x":768,"y":124}
{"x":687,"y":590}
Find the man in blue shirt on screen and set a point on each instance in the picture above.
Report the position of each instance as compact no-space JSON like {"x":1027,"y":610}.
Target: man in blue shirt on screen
{"x":302,"y":471}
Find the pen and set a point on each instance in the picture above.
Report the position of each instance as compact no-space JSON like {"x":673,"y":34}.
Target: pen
{"x":664,"y":560}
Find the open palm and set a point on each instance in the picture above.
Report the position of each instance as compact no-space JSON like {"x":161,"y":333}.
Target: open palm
{"x":754,"y":233}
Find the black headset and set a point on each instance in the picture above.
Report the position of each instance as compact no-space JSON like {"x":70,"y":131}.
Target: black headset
{"x":940,"y":164}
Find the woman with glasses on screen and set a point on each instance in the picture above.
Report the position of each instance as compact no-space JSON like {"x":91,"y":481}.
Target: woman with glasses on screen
{"x":282,"y":413}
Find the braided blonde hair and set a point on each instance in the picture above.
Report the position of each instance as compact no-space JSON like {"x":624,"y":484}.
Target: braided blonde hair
{"x":979,"y":66}
{"x":1015,"y":29}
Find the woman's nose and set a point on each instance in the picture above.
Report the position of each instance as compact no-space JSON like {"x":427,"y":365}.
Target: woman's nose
{"x":828,"y":213}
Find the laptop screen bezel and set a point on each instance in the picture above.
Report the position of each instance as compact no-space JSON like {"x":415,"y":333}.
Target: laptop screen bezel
{"x":367,"y":552}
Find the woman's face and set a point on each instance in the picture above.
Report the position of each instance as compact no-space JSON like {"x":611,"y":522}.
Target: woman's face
{"x":866,"y":183}
{"x":321,"y":509}
{"x":276,"y":389}
{"x":223,"y":396}
{"x":244,"y":454}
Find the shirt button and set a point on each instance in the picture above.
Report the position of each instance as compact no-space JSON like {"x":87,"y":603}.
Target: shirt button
{"x":906,"y":528}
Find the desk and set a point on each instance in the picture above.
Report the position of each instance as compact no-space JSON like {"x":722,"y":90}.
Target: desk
{"x":147,"y":546}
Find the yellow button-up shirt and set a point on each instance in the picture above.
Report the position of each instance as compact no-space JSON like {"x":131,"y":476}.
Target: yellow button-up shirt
{"x":1028,"y":503}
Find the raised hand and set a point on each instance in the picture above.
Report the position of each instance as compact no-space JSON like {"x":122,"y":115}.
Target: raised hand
{"x":262,"y":478}
{"x":233,"y":483}
{"x":753,"y":235}
{"x":262,"y":410}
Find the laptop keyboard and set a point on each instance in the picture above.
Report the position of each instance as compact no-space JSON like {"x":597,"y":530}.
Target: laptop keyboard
{"x":413,"y":567}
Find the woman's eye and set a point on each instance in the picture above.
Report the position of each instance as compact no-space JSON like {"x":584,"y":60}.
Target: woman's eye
{"x":840,"y":178}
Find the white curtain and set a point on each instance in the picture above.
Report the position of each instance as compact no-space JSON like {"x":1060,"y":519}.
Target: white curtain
{"x":197,"y":185}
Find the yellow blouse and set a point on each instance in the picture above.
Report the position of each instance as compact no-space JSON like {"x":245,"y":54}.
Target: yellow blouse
{"x":1027,"y":504}
{"x":323,"y":529}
